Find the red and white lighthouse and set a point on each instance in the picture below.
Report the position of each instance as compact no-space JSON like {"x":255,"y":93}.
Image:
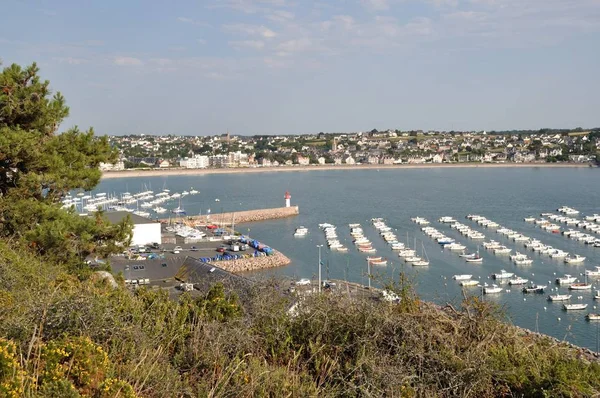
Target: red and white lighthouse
{"x":287,"y":197}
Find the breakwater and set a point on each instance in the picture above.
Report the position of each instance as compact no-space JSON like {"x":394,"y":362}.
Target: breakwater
{"x":276,"y":259}
{"x":240,"y":217}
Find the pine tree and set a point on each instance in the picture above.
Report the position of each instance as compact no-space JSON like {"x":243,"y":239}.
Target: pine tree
{"x":39,"y":166}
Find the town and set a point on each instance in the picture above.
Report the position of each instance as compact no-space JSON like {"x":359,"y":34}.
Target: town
{"x":387,"y":147}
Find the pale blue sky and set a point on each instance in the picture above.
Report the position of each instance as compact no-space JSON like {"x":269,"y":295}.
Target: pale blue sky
{"x":293,"y":66}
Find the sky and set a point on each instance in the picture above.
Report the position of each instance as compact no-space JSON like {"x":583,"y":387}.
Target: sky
{"x":203,"y":67}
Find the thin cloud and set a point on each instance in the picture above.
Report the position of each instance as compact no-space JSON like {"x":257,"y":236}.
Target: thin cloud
{"x":376,"y":5}
{"x":250,"y":44}
{"x":191,"y":21}
{"x":128,"y":61}
{"x":252,"y":30}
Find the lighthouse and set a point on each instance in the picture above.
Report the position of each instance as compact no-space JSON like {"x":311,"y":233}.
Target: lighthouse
{"x":287,"y":197}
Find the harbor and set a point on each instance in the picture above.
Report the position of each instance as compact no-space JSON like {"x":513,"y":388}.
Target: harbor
{"x":332,"y":198}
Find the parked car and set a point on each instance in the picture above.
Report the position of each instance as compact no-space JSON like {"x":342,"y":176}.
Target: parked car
{"x":303,"y":282}
{"x":155,"y":246}
{"x":194,"y":249}
{"x":177,"y":249}
{"x":221,"y":249}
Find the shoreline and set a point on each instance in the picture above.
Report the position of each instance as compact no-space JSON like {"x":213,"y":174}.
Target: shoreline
{"x":192,"y":172}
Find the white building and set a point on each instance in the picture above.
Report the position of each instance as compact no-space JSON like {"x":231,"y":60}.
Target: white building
{"x":120,"y":165}
{"x":145,"y":231}
{"x":238,"y":159}
{"x":219,"y":161}
{"x":196,"y":162}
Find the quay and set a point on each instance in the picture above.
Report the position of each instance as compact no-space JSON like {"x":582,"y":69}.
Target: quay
{"x":240,"y":217}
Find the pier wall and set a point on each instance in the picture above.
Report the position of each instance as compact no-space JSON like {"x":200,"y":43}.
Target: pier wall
{"x":240,"y":217}
{"x":277,"y":259}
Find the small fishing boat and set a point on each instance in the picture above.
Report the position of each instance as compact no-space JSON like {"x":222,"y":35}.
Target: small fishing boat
{"x":492,"y":289}
{"x":574,"y":260}
{"x":469,"y":282}
{"x":534,"y":289}
{"x":462,"y":277}
{"x":371,"y":259}
{"x":593,"y":317}
{"x":580,"y":286}
{"x":517,"y":281}
{"x":565,"y":280}
{"x":379,"y":262}
{"x":577,"y":306}
{"x":559,"y":297}
{"x":503,"y":275}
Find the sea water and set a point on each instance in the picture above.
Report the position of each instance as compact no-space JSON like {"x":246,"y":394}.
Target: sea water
{"x":340,"y":197}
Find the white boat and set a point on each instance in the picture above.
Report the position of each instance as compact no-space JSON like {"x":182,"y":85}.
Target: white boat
{"x":492,"y":289}
{"x":517,"y":256}
{"x":398,"y":246}
{"x":178,"y":210}
{"x":462,"y":277}
{"x":593,"y":317}
{"x":159,"y":210}
{"x":503,"y":275}
{"x":526,"y":261}
{"x":420,"y":220}
{"x":455,"y":247}
{"x":559,"y":254}
{"x":469,"y":282}
{"x":502,"y":250}
{"x":301,"y":231}
{"x":517,"y":281}
{"x":407,"y":253}
{"x":575,"y":260}
{"x":595,"y":272}
{"x":559,"y":297}
{"x":379,"y":262}
{"x":565,"y":280}
{"x":580,"y":286}
{"x":413,"y":259}
{"x":447,"y":220}
{"x":534,"y":289}
{"x":529,"y":219}
{"x":475,"y":260}
{"x":367,"y":250}
{"x":578,"y":306}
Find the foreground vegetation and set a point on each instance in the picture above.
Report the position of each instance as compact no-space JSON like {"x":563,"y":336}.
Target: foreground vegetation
{"x":63,"y":337}
{"x":66,"y":332}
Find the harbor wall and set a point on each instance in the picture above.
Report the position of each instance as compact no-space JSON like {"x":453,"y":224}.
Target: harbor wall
{"x":277,"y":259}
{"x":240,"y":217}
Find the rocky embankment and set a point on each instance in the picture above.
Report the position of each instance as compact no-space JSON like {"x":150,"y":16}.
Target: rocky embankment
{"x":277,"y":259}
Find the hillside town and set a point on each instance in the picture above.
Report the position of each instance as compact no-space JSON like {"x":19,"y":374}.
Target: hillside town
{"x":387,"y":147}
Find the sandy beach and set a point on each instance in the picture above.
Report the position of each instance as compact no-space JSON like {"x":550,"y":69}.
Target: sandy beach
{"x":192,"y":172}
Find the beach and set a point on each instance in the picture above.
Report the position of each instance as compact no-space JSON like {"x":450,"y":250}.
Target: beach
{"x":191,"y":172}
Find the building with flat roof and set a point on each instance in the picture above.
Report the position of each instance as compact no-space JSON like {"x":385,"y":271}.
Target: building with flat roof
{"x":145,"y":231}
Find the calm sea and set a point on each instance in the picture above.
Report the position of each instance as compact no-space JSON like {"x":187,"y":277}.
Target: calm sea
{"x":355,"y":196}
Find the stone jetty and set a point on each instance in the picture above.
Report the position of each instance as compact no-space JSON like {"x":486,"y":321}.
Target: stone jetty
{"x":240,"y":217}
{"x":277,"y":259}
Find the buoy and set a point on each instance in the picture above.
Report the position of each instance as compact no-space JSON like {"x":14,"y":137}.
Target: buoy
{"x":545,"y":308}
{"x":558,"y":319}
{"x":524,"y":299}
